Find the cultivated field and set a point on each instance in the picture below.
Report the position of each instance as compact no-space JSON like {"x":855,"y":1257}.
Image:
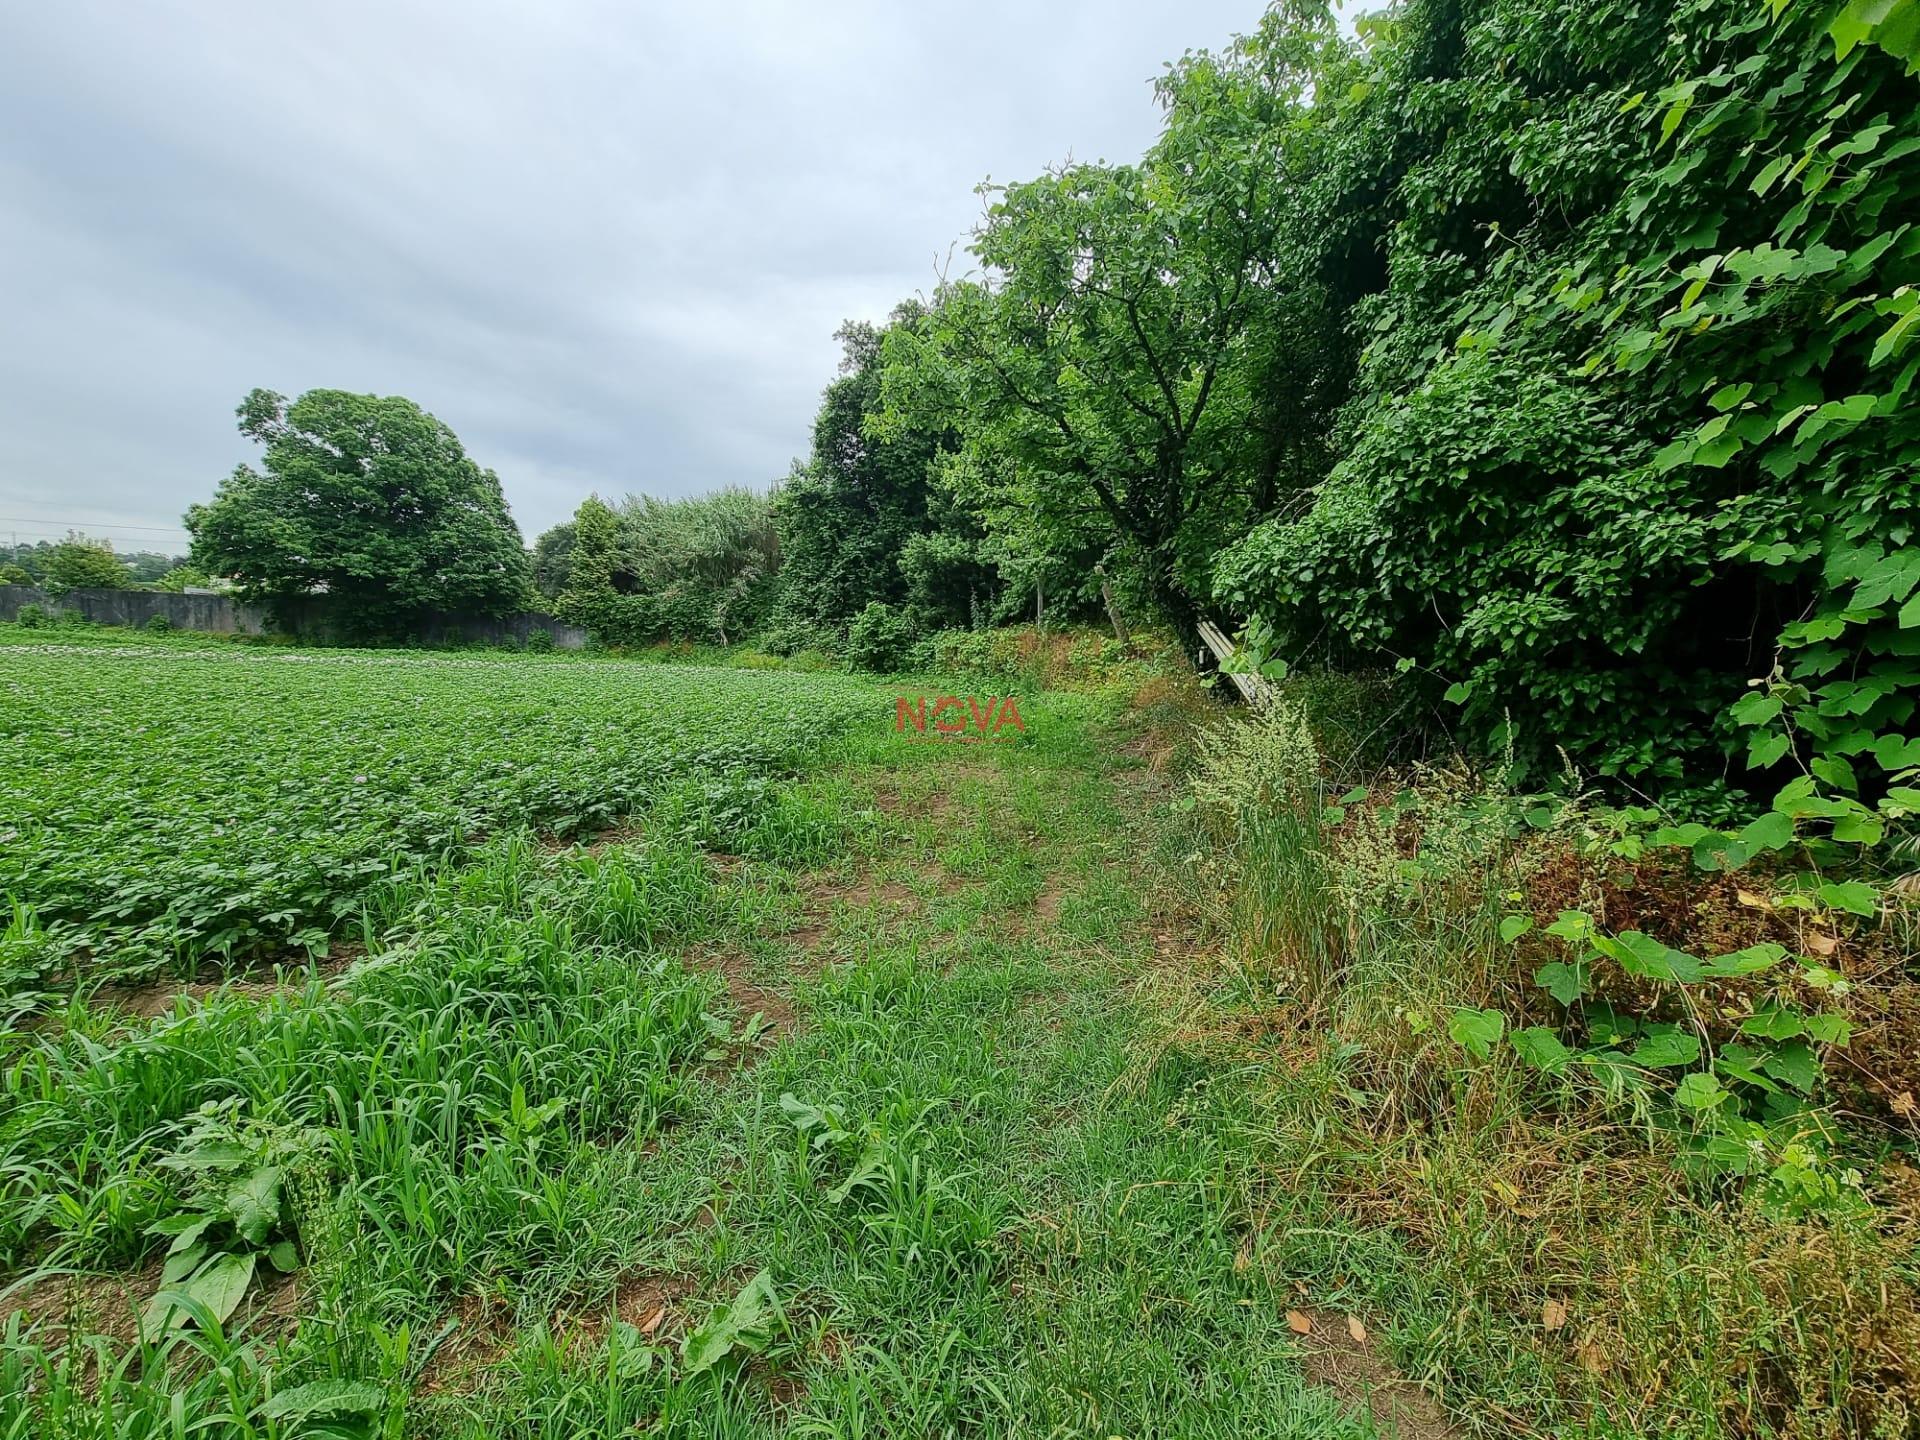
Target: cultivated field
{"x":164,"y":805}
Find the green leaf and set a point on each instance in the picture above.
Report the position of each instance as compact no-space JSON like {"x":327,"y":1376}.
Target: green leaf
{"x":219,"y":1285}
{"x":1719,"y":450}
{"x":1541,"y":1048}
{"x":1718,"y":852}
{"x":1572,"y":925}
{"x":181,"y":1263}
{"x":1793,"y":1064}
{"x":1477,"y":1031}
{"x":1750,"y":961}
{"x":1829,"y":1029}
{"x":1738,"y":1062}
{"x":1772,"y":831}
{"x":177,"y":1224}
{"x":1566,"y":983}
{"x":1666,"y":1049}
{"x":1700,"y":1091}
{"x":325,"y":1397}
{"x":255,"y":1204}
{"x":1641,"y":954}
{"x":1859,"y":827}
{"x":740,"y":1326}
{"x":1856,"y":897}
{"x":1512,"y":927}
{"x":187,"y":1233}
{"x":1833,"y":771}
{"x":1676,"y":112}
{"x":1769,"y":173}
{"x":213,"y":1155}
{"x":1774,"y":1022}
{"x":1896,"y":338}
{"x":1896,"y":751}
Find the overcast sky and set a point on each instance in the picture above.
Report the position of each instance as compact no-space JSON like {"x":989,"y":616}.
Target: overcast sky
{"x":608,"y":243}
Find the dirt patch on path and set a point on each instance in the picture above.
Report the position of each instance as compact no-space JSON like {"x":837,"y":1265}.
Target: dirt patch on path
{"x":777,"y":1016}
{"x":748,"y":997}
{"x":867,"y":892}
{"x":67,"y":1308}
{"x":1344,"y":1358}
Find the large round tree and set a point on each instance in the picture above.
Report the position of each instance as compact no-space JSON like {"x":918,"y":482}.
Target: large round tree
{"x":366,"y":499}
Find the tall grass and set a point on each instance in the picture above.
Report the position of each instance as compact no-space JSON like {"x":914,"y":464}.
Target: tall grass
{"x":453,"y":1095}
{"x":1592,"y":1279}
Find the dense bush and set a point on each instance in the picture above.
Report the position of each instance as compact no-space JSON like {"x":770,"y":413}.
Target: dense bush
{"x":880,"y":638}
{"x":701,"y":570}
{"x":1581,"y":1070}
{"x":1557,"y":355}
{"x":1633,"y":410}
{"x":78,"y":563}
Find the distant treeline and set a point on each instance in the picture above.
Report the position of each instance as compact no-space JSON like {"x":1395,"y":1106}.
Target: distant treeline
{"x":81,"y":561}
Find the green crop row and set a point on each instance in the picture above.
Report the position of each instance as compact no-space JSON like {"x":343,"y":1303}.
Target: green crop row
{"x":160,"y":806}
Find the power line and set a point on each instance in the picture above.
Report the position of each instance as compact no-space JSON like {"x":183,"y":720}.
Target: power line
{"x":91,"y":524}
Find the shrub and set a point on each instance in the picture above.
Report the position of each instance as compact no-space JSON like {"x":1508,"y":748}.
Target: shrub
{"x":1653,"y":375}
{"x":1362,"y":721}
{"x":539,"y":641}
{"x":32,"y":617}
{"x":159,"y":625}
{"x":880,"y":638}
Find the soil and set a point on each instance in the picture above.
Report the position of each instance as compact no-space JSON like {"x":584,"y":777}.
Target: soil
{"x":149,"y":1000}
{"x":1353,"y":1368}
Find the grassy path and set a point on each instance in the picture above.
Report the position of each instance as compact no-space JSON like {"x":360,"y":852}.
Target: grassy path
{"x":981,"y":1202}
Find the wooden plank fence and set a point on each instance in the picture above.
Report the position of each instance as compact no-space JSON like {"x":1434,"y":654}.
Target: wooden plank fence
{"x":1254,"y":689}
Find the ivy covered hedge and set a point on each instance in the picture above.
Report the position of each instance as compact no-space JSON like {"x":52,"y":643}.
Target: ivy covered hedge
{"x":1633,"y":424}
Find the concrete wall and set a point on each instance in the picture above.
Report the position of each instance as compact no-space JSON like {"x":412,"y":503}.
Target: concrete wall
{"x":219,"y":615}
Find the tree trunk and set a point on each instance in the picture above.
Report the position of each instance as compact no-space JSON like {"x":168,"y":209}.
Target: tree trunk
{"x":1179,"y":609}
{"x":1113,"y":611}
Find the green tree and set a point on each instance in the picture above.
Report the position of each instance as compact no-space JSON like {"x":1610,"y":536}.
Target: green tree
{"x":78,"y":563}
{"x":552,"y":558}
{"x":846,"y":516}
{"x":148,"y":566}
{"x":369,"y":500}
{"x":178,"y":579}
{"x":14,"y":575}
{"x":1108,"y":370}
{"x":595,"y":586}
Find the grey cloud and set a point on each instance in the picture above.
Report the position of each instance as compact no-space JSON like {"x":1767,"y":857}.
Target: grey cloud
{"x":608,"y":243}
